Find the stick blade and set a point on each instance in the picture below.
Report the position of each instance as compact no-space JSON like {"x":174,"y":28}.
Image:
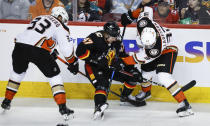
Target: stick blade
{"x":189,"y":85}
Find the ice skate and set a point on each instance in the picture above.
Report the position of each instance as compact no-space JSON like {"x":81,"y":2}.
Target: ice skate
{"x":65,"y":111}
{"x":184,"y":109}
{"x":6,"y":104}
{"x":142,"y":96}
{"x":131,"y":100}
{"x":99,"y":111}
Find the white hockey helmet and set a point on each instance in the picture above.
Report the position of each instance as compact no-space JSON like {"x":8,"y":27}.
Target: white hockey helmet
{"x":60,"y":11}
{"x":148,"y":37}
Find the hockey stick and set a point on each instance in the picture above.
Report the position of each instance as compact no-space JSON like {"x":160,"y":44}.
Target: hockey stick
{"x":68,"y":64}
{"x":184,"y":88}
{"x":113,"y":72}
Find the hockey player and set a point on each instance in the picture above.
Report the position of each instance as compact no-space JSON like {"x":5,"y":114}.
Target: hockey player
{"x":100,"y":51}
{"x":34,"y":45}
{"x":155,"y":53}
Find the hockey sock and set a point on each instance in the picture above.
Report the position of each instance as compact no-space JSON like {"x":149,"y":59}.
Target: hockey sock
{"x":176,"y":92}
{"x":146,"y":86}
{"x":127,"y":89}
{"x":12,"y":88}
{"x":60,"y":98}
{"x":59,"y":94}
{"x":100,"y":97}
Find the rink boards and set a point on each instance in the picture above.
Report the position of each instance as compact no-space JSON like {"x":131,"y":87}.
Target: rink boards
{"x":192,"y":64}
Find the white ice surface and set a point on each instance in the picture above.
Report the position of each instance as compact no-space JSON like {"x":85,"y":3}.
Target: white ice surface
{"x":44,"y":112}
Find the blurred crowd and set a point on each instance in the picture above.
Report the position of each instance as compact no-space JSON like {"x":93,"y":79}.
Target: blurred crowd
{"x":165,"y":11}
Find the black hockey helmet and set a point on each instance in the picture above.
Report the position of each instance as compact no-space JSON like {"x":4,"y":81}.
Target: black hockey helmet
{"x":112,"y":29}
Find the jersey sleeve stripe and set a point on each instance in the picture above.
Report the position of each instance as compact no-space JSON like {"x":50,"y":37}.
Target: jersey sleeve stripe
{"x":84,"y":56}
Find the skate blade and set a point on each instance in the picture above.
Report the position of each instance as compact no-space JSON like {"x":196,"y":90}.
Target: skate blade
{"x":68,"y":117}
{"x":3,"y":111}
{"x":189,"y":112}
{"x":98,"y":117}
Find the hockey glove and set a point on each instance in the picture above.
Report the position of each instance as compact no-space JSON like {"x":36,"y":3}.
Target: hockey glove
{"x":54,"y":54}
{"x":101,"y":62}
{"x":126,"y":18}
{"x":118,"y":64}
{"x":74,"y":67}
{"x":137,"y":75}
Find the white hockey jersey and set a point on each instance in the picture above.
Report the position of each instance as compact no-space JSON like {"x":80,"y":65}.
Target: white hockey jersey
{"x":47,"y":27}
{"x":163,"y":43}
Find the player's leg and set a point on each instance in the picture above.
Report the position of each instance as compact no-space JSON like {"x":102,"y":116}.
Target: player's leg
{"x":128,"y":87}
{"x":100,"y":80}
{"x":147,"y":70}
{"x":20,"y":65}
{"x":164,"y":72}
{"x":145,"y":92}
{"x":47,"y":65}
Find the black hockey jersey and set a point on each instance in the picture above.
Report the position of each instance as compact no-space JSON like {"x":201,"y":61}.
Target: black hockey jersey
{"x":95,"y":46}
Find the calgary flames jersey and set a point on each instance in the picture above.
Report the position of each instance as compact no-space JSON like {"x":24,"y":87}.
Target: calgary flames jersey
{"x":45,"y":32}
{"x":95,"y":46}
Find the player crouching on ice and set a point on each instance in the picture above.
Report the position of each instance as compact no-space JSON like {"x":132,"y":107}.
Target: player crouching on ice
{"x":100,"y":50}
{"x":155,"y":53}
{"x":34,"y":45}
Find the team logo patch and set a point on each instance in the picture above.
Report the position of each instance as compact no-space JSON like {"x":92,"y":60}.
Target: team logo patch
{"x":154,"y":52}
{"x":142,"y":23}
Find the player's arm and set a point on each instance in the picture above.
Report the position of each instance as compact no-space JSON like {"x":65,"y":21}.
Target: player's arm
{"x":84,"y":49}
{"x":130,"y":16}
{"x":67,"y":49}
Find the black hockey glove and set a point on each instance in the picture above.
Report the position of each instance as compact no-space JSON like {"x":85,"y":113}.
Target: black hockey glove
{"x":101,"y":62}
{"x":136,"y":74}
{"x":54,"y":54}
{"x":118,"y":64}
{"x":126,"y":18}
{"x":74,"y":67}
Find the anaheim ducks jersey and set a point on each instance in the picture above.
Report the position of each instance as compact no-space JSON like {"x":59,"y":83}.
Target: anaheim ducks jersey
{"x":95,"y":46}
{"x":42,"y":30}
{"x":163,"y":43}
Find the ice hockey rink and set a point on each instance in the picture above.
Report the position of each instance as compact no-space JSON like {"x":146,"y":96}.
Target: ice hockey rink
{"x":44,"y":112}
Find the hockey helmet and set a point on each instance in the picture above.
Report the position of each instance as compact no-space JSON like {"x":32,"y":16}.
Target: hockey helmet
{"x":60,"y":11}
{"x":148,"y":37}
{"x":112,"y":29}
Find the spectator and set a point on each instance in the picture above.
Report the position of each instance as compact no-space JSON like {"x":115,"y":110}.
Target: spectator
{"x":32,"y":2}
{"x":14,"y":9}
{"x":43,"y":7}
{"x":165,"y":14}
{"x":147,"y":3}
{"x":121,"y":6}
{"x":65,"y":2}
{"x":104,"y":5}
{"x":85,"y":11}
{"x":206,"y":3}
{"x":195,"y":13}
{"x":180,"y":4}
